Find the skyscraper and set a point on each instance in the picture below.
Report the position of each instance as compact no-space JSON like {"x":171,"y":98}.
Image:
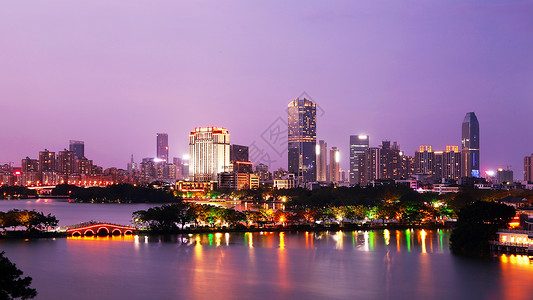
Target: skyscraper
{"x":528,"y":168}
{"x":78,"y":147}
{"x":322,"y":163}
{"x":302,"y":139}
{"x":470,"y":146}
{"x":358,"y":145}
{"x":334,"y":168}
{"x":451,"y":163}
{"x":209,"y":153}
{"x":162,"y":146}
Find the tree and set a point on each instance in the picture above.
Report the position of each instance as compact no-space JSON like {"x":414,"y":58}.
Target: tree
{"x":12,"y":286}
{"x":476,"y":225}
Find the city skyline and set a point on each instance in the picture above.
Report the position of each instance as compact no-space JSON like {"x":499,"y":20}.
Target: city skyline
{"x":375,"y":75}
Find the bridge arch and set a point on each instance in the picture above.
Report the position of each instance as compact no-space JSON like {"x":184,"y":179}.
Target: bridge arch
{"x":76,"y":233}
{"x":116,"y":231}
{"x":101,"y":232}
{"x":89,"y":232}
{"x":128,"y":232}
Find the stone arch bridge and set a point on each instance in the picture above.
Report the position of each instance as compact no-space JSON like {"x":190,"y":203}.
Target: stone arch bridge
{"x":99,"y":229}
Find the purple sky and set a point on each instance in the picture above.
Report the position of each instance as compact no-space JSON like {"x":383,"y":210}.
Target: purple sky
{"x":114,"y":73}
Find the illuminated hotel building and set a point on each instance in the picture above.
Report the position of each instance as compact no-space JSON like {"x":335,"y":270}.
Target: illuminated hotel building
{"x":470,"y":146}
{"x":302,"y":139}
{"x":209,"y":151}
{"x":358,"y":145}
{"x":66,"y":162}
{"x":322,"y":161}
{"x":162,"y":147}
{"x":334,"y":159}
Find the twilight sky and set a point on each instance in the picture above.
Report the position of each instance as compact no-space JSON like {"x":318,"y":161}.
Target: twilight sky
{"x":114,"y":73}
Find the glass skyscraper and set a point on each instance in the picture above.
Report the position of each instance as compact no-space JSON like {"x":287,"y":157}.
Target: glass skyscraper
{"x":470,"y":146}
{"x":78,"y":147}
{"x":162,"y":147}
{"x":302,"y":139}
{"x":358,"y":145}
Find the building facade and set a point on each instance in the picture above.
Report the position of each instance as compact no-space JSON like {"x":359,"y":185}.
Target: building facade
{"x":209,"y":152}
{"x":358,"y":145}
{"x":238,"y":153}
{"x":78,"y":147}
{"x":470,"y":146}
{"x":528,"y":169}
{"x":302,"y":139}
{"x":334,"y":167}
{"x":322,"y":161}
{"x":162,"y":147}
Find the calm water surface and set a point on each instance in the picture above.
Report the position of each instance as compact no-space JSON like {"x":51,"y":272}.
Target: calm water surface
{"x":406,"y":264}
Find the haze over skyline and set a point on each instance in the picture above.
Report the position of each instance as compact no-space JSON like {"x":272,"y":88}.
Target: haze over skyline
{"x":115,"y":74}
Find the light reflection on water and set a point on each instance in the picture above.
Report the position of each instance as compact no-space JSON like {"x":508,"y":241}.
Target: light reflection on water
{"x":384,"y":264}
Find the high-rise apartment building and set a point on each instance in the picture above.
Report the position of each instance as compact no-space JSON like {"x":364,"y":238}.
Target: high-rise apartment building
{"x":528,"y":168}
{"x":302,"y":139}
{"x":78,"y":147}
{"x":162,"y":147}
{"x":30,"y":165}
{"x":358,"y":145}
{"x":451,"y":163}
{"x":470,"y":146}
{"x":425,"y":160}
{"x":209,"y":151}
{"x":47,"y":161}
{"x":66,"y":162}
{"x":334,"y":168}
{"x":321,"y":161}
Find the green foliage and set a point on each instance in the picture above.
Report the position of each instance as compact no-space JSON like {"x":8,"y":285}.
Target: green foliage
{"x":126,"y":193}
{"x":16,"y":192}
{"x":12,"y":286}
{"x":478,"y":223}
{"x":30,"y":219}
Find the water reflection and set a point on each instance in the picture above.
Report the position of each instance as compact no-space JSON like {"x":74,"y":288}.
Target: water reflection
{"x":367,"y":241}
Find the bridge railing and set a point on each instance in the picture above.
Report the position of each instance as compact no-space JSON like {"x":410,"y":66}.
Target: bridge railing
{"x":90,"y":223}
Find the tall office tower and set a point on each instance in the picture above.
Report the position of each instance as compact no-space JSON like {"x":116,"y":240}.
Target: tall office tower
{"x":470,"y":143}
{"x":261,"y":170}
{"x":78,"y":147}
{"x":66,"y":162}
{"x":47,"y":161}
{"x":302,"y":139}
{"x":162,"y":147}
{"x":358,"y":145}
{"x":321,"y":161}
{"x":334,"y":168}
{"x":209,"y":153}
{"x":528,"y":168}
{"x":451,"y":163}
{"x":238,"y":153}
{"x":425,"y":160}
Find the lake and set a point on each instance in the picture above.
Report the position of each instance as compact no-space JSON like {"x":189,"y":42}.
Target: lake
{"x":382,"y":264}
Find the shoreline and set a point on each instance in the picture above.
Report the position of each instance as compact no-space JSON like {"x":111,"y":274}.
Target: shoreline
{"x":14,"y":235}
